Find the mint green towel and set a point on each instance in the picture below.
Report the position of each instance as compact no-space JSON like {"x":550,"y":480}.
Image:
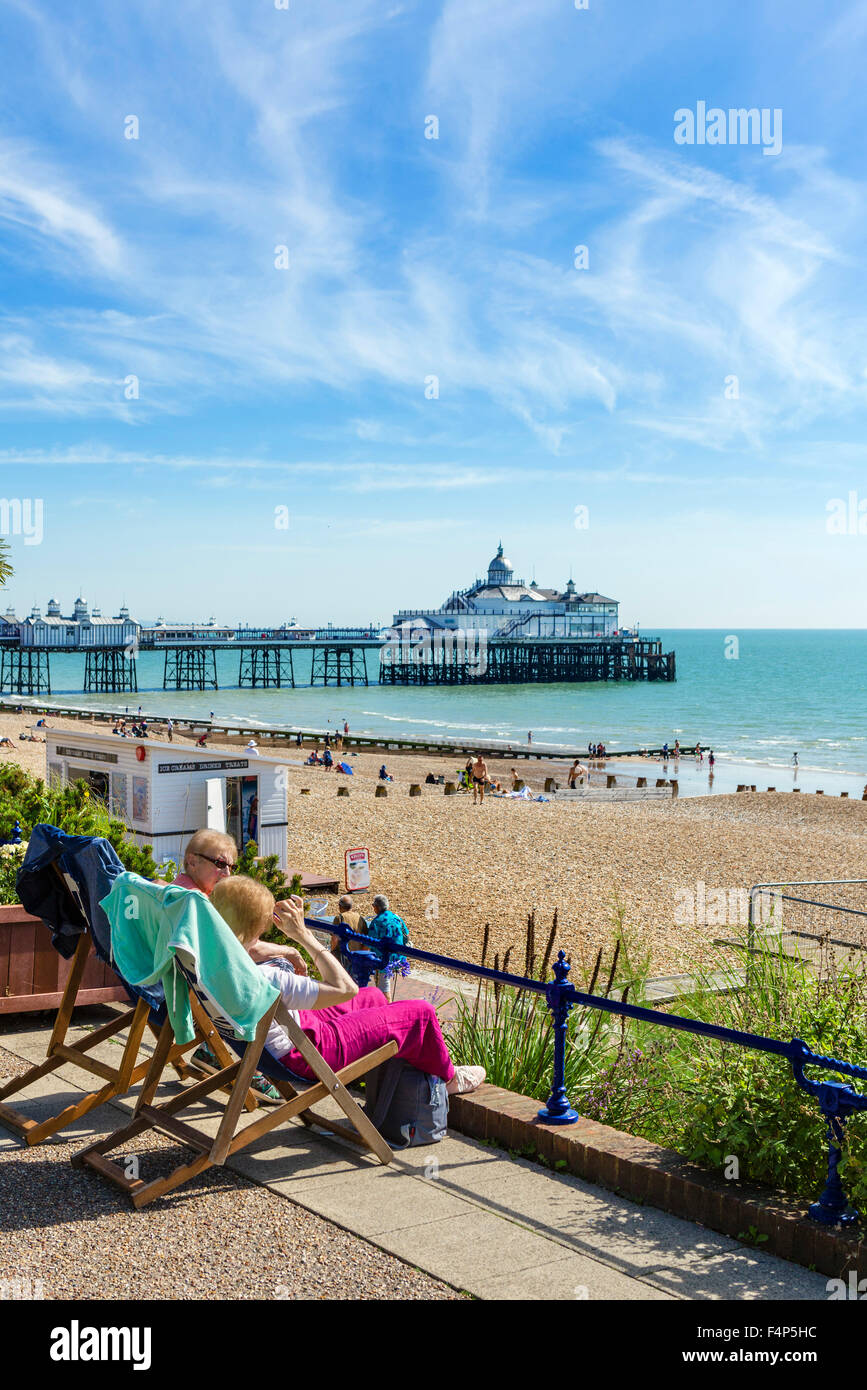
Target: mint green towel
{"x":151,"y":921}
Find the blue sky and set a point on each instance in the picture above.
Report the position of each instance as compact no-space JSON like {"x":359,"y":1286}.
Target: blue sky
{"x":261,"y":387}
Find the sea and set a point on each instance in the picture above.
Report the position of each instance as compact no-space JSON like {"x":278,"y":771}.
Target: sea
{"x":756,"y":697}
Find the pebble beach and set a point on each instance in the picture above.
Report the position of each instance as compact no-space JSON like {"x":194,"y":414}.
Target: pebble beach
{"x":449,"y":867}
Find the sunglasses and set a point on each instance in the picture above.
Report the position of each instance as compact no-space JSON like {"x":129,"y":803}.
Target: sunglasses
{"x":218,"y":863}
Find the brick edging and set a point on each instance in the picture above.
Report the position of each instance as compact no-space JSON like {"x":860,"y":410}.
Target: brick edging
{"x":660,"y":1177}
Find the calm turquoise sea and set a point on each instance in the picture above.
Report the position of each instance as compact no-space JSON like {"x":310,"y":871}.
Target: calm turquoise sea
{"x":757,"y":700}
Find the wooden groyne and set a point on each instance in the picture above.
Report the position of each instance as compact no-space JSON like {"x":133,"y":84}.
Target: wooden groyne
{"x":280,"y":735}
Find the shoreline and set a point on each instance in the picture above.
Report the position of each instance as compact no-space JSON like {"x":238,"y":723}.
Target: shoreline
{"x":450,"y":867}
{"x":692,"y":777}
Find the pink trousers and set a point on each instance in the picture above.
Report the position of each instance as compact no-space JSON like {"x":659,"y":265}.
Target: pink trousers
{"x":345,"y":1032}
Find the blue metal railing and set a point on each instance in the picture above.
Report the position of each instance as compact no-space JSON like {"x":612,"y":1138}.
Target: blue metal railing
{"x":837,"y":1101}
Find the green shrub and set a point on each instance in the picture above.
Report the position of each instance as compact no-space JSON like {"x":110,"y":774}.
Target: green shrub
{"x":510,"y":1032}
{"x":74,"y":809}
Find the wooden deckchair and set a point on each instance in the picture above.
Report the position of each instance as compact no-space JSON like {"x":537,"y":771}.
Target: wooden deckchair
{"x":117,"y":1079}
{"x":212,"y":1151}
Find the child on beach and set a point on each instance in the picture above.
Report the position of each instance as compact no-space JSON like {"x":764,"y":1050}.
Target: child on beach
{"x":342,"y":1021}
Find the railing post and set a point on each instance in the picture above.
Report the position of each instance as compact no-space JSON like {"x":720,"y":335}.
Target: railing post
{"x":362,"y":964}
{"x":557,"y":1110}
{"x":833,"y":1207}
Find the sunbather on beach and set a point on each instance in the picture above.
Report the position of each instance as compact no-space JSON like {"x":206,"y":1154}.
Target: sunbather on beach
{"x":342,"y":1021}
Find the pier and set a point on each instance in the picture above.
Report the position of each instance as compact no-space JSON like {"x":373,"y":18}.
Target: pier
{"x":529,"y":660}
{"x":339,"y":658}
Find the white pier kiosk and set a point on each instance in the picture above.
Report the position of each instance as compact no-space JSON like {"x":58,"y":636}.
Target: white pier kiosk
{"x":163,"y":792}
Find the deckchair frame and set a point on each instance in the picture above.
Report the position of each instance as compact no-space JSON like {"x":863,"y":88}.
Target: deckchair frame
{"x":213,"y":1151}
{"x":119,"y":1079}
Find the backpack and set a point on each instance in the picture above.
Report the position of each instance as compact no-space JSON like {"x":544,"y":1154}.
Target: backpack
{"x":409,"y":1107}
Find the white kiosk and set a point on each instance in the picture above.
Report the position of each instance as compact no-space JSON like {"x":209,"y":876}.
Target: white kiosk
{"x":163,"y":792}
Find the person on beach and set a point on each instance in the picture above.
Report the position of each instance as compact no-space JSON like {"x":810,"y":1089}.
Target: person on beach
{"x":170,"y":728}
{"x":577,"y":772}
{"x":343,"y":1022}
{"x":515,"y":779}
{"x":480,"y":777}
{"x":327,"y":758}
{"x":677,"y":748}
{"x":710,"y":761}
{"x":386,"y":923}
{"x":699,"y":756}
{"x":202,"y":740}
{"x":348,"y":917}
{"x":384,"y":774}
{"x":794,"y":760}
{"x":665,"y":752}
{"x":345,"y":728}
{"x":530,"y":736}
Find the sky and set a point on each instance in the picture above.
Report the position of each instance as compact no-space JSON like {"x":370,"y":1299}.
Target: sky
{"x":293,"y":323}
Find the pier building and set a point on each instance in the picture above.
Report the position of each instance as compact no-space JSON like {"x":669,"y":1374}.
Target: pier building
{"x":80,"y":630}
{"x":503,"y":606}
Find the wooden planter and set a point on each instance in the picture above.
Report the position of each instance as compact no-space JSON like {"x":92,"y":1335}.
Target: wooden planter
{"x":33,"y":974}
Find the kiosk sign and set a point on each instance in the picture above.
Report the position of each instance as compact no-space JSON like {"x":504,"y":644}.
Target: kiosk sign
{"x":357,"y":870}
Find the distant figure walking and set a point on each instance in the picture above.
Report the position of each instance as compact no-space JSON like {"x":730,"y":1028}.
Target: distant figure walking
{"x":677,"y":747}
{"x":710,"y":761}
{"x":699,"y":756}
{"x":345,"y":728}
{"x":480,"y":777}
{"x":530,"y":736}
{"x":170,"y":730}
{"x":794,"y":760}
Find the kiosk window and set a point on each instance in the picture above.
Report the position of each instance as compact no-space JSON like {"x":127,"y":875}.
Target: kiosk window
{"x":97,"y":781}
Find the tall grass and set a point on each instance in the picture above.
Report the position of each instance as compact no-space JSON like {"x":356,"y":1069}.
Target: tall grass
{"x":510,"y":1031}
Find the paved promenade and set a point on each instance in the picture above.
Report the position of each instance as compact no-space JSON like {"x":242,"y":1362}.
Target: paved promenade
{"x":469,"y":1216}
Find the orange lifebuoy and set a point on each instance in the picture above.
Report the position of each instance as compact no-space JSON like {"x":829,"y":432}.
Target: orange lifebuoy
{"x":141,"y":753}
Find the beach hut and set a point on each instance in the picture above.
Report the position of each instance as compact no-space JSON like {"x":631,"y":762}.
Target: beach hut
{"x":163,"y":792}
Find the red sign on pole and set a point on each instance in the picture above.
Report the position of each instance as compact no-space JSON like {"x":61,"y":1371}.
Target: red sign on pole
{"x":357,"y":870}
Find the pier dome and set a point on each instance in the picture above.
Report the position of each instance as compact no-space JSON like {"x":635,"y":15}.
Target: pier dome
{"x":500,"y":570}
